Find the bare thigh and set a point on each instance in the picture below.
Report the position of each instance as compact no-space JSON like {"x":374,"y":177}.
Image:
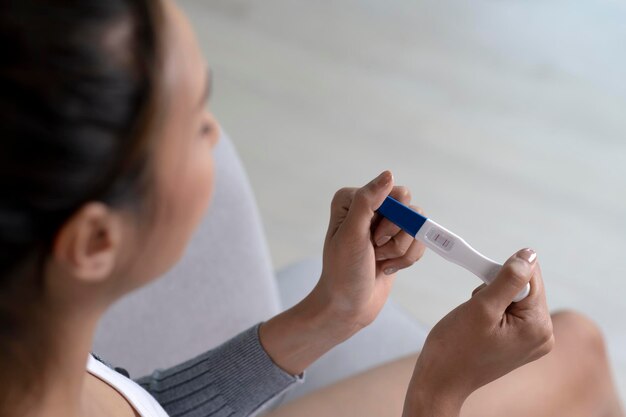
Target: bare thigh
{"x":377,"y":392}
{"x":573,"y":380}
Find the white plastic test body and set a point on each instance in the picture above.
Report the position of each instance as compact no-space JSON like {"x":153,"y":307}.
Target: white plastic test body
{"x":445,"y":243}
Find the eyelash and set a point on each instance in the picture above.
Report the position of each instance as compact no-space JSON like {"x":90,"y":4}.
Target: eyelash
{"x":205,"y":129}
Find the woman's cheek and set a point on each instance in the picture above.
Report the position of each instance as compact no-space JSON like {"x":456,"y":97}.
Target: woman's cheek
{"x":202,"y":182}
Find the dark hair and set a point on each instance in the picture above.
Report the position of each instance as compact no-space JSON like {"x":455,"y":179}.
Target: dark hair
{"x":77,"y":100}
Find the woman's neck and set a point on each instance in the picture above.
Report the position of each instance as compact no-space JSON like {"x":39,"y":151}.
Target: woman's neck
{"x":62,"y":389}
{"x":44,"y":373}
{"x":76,"y":341}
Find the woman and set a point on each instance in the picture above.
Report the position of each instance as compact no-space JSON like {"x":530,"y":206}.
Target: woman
{"x":105,"y":171}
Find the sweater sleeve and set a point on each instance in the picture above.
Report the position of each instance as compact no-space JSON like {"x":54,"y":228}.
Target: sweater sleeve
{"x":235,"y":379}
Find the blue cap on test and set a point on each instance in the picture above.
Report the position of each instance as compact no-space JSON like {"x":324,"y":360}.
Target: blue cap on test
{"x":402,"y":216}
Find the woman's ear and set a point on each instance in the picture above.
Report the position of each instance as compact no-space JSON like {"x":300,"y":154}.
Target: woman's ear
{"x":89,"y":244}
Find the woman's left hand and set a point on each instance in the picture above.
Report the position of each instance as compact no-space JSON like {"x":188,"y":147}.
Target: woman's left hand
{"x":362,"y":252}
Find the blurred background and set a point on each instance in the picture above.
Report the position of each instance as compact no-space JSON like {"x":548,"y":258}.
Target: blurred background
{"x":506,"y":119}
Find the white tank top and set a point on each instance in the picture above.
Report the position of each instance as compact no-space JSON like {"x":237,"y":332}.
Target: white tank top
{"x":137,"y":397}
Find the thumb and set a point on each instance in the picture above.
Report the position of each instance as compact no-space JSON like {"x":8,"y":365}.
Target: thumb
{"x":511,"y":279}
{"x":366,"y":201}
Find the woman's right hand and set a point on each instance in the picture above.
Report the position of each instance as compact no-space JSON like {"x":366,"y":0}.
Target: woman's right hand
{"x":482,"y":339}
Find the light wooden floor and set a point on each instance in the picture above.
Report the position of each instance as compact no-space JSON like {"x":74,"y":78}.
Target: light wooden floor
{"x":507,"y":119}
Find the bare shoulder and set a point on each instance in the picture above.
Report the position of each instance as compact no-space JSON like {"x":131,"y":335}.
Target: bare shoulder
{"x":104,"y":400}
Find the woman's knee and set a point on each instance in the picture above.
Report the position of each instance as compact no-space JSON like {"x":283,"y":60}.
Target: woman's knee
{"x":581,"y":335}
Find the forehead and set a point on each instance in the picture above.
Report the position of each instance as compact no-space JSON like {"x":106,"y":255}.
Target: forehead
{"x":184,"y":66}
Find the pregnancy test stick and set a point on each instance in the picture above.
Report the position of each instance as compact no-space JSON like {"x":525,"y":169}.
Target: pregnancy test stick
{"x":447,"y":244}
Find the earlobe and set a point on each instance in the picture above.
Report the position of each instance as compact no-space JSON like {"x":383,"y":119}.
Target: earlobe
{"x":87,"y":245}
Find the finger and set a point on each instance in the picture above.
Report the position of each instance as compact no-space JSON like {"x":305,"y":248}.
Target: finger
{"x":537,"y":284}
{"x":398,"y":244}
{"x":477,"y":289}
{"x":413,"y":254}
{"x":516,"y":272}
{"x":366,"y":201}
{"x":339,"y":207}
{"x":537,"y":295}
{"x":395,"y":248}
{"x":386,"y":229}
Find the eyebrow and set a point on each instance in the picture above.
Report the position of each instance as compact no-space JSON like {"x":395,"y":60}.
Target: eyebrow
{"x":208,"y":86}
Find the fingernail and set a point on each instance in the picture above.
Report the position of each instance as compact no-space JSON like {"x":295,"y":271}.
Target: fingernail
{"x":380,"y":257}
{"x":382,"y":240}
{"x":384,"y":178}
{"x":528,"y":255}
{"x":390,"y":270}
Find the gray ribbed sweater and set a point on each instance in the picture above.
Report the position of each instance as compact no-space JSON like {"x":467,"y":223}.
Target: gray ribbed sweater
{"x":235,"y":379}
